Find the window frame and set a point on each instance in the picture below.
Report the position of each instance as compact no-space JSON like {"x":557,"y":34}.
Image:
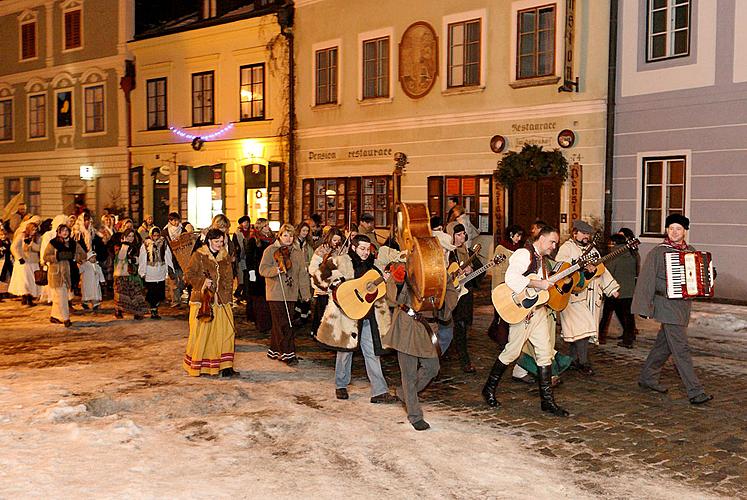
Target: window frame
{"x":165,"y":97}
{"x":86,"y":89}
{"x":45,"y":116}
{"x":212,"y":97}
{"x":441,"y":181}
{"x":465,"y":63}
{"x":8,"y":193}
{"x":67,"y":8}
{"x":332,"y":87}
{"x":30,"y":206}
{"x":21,"y":44}
{"x":666,"y":159}
{"x":670,"y":9}
{"x":381,"y":89}
{"x":536,"y":51}
{"x":367,"y":37}
{"x":251,"y":102}
{"x":351,"y":202}
{"x":2,"y":123}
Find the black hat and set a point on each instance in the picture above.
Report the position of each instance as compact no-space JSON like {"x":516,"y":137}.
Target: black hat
{"x":436,"y":221}
{"x":678,"y":219}
{"x":244,"y":218}
{"x":367,"y":218}
{"x":458,"y":228}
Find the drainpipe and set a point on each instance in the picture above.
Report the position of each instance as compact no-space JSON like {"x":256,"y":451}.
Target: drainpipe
{"x":127,"y":84}
{"x":285,"y":19}
{"x":610,"y":142}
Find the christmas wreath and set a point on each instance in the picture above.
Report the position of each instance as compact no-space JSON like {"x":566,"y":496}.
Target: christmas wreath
{"x":531,"y":163}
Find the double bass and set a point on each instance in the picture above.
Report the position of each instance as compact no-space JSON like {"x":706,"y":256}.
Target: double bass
{"x":426,"y":266}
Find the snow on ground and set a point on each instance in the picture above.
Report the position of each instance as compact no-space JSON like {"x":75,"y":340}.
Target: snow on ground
{"x":104,"y":409}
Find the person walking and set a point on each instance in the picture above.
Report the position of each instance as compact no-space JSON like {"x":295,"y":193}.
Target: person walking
{"x":59,"y":255}
{"x":155,"y":263}
{"x":25,"y":249}
{"x":128,"y":286}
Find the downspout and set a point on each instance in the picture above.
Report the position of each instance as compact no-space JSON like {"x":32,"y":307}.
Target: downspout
{"x":285,"y":20}
{"x":610,"y":140}
{"x":127,"y":84}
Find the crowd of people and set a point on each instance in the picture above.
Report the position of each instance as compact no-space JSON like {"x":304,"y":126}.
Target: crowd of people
{"x":291,"y":276}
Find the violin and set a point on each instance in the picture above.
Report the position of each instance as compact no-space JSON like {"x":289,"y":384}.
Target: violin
{"x":206,"y":303}
{"x":282,"y":258}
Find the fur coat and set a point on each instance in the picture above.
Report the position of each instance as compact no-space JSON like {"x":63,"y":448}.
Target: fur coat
{"x":337,"y":330}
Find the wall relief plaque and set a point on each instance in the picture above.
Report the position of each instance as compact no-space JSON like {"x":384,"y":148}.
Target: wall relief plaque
{"x":418,"y":59}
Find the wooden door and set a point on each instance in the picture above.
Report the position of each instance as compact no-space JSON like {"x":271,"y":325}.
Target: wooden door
{"x":535,"y":199}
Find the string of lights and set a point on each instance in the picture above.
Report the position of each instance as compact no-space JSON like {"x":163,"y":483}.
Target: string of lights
{"x":209,"y":137}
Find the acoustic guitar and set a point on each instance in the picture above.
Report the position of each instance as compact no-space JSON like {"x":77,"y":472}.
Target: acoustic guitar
{"x":560,"y":296}
{"x":463,"y":280}
{"x":355,"y":297}
{"x":455,"y":269}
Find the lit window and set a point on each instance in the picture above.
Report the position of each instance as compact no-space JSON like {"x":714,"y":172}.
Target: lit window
{"x":252,"y":92}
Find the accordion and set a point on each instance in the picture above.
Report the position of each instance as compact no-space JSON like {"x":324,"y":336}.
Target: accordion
{"x":689,"y":275}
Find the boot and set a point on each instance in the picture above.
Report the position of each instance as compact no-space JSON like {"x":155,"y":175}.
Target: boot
{"x":488,"y":391}
{"x":545,"y":390}
{"x":23,"y":299}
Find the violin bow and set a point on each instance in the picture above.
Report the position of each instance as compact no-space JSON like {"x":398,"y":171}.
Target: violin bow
{"x":285,"y":299}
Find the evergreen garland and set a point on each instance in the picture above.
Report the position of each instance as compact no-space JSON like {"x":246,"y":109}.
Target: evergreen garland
{"x":531,"y":163}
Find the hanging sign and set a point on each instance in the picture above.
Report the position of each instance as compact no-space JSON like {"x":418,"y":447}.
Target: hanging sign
{"x":575,"y":175}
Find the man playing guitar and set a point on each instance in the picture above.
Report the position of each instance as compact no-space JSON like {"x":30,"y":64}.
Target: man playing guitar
{"x":535,"y":327}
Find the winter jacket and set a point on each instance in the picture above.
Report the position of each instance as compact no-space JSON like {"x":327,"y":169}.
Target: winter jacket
{"x":295,"y":281}
{"x":254,"y":250}
{"x":218,"y":268}
{"x":58,"y":255}
{"x":29,"y":252}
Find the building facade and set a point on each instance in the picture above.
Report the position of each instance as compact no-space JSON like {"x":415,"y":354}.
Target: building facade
{"x":210,"y":115}
{"x":453,"y":86}
{"x":62,"y":125}
{"x":680,"y":127}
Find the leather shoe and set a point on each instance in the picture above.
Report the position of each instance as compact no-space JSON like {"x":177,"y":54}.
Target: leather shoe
{"x":421,"y":425}
{"x":341,"y":393}
{"x":68,"y":323}
{"x":527,"y":379}
{"x":586,"y":370}
{"x":654,"y":387}
{"x":469,"y":368}
{"x":55,"y":321}
{"x":384,"y":398}
{"x":626,"y":346}
{"x":229,"y":372}
{"x":700,"y":398}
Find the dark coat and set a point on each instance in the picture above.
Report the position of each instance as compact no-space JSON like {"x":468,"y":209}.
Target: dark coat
{"x":254,"y":250}
{"x":625,"y":270}
{"x":465,"y":307}
{"x":650,"y":297}
{"x":6,"y":261}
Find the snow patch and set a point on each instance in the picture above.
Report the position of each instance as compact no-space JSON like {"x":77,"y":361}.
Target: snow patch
{"x":62,"y":412}
{"x":724,"y":321}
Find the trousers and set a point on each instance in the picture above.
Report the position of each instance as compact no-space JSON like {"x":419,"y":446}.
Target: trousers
{"x":537,"y":331}
{"x":283,"y":336}
{"x":671,"y":341}
{"x":344,"y":364}
{"x":414,"y":379}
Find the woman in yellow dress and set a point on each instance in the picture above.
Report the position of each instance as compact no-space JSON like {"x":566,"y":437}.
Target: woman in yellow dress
{"x":210,"y":348}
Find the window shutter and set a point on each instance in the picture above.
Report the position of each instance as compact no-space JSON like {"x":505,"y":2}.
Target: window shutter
{"x":28,"y":41}
{"x":275,"y":191}
{"x":72,"y":29}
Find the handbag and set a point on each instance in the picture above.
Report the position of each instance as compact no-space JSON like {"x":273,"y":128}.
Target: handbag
{"x":40,"y":277}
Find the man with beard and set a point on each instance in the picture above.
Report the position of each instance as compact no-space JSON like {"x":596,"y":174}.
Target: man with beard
{"x":650,"y":300}
{"x":341,"y":332}
{"x":580,"y":319}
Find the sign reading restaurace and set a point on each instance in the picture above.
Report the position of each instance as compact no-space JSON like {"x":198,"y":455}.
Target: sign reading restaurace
{"x":351,"y":154}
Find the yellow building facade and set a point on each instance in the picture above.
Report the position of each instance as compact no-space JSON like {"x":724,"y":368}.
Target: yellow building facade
{"x":453,"y":86}
{"x":209,"y":120}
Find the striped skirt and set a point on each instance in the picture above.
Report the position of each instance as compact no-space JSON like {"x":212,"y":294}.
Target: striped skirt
{"x":210,"y":347}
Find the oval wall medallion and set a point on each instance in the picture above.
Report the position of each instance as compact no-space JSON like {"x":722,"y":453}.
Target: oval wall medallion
{"x":418,"y":59}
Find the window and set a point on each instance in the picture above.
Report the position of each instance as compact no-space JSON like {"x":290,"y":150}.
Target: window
{"x":326,"y":76}
{"x":464,"y":54}
{"x":536,"y":42}
{"x":33,"y":195}
{"x":663,"y":191}
{"x":376,"y":68}
{"x":472,"y":193}
{"x":202,"y":98}
{"x":668,"y":28}
{"x":6,"y":120}
{"x":156,"y":103}
{"x":72,"y":26}
{"x":94,"y":108}
{"x":37,"y":116}
{"x":342,"y":200}
{"x":12,"y":188}
{"x":28,"y":40}
{"x":252,"y":92}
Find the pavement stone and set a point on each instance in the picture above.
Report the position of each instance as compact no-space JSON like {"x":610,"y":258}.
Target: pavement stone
{"x":614,"y":425}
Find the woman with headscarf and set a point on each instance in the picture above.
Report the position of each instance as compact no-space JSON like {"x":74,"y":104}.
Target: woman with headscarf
{"x":303,"y":241}
{"x":60,"y":254}
{"x":128,"y":286}
{"x":154,"y":263}
{"x":320,"y":269}
{"x":46,"y":237}
{"x":25,"y":250}
{"x":105,"y":252}
{"x":6,"y":262}
{"x":210,"y":348}
{"x":257,"y":309}
{"x":90,"y":272}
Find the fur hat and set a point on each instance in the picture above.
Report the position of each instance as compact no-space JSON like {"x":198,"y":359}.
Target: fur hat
{"x":678,"y":219}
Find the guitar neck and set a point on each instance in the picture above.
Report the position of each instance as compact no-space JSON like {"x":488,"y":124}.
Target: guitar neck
{"x":477,"y":272}
{"x":614,"y":253}
{"x":565,"y":273}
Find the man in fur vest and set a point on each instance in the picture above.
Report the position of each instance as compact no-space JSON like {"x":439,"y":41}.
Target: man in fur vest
{"x":580,"y":320}
{"x":341,"y":332}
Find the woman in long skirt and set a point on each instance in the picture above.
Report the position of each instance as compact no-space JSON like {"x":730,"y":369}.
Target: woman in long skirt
{"x":210,"y":348}
{"x":61,"y":253}
{"x":25,"y":250}
{"x":6,"y":262}
{"x":128,"y":286}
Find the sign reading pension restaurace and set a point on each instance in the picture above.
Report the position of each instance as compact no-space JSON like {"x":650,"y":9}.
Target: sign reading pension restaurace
{"x":351,"y":154}
{"x":574,"y":197}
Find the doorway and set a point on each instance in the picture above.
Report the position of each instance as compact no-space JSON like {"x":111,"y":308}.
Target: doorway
{"x":255,"y":191}
{"x":161,"y":206}
{"x":535,"y":199}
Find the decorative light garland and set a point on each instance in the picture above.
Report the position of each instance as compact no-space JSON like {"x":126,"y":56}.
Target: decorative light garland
{"x":184,"y":135}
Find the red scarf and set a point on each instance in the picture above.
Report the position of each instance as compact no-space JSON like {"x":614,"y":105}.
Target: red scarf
{"x":682,"y":245}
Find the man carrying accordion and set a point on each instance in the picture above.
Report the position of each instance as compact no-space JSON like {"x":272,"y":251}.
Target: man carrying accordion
{"x":662,"y":286}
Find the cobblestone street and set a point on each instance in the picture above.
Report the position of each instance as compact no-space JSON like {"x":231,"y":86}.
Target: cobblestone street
{"x":614,"y":425}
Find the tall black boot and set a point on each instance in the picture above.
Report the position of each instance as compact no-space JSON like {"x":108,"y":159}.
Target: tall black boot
{"x":488,"y":391}
{"x":545,"y":390}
